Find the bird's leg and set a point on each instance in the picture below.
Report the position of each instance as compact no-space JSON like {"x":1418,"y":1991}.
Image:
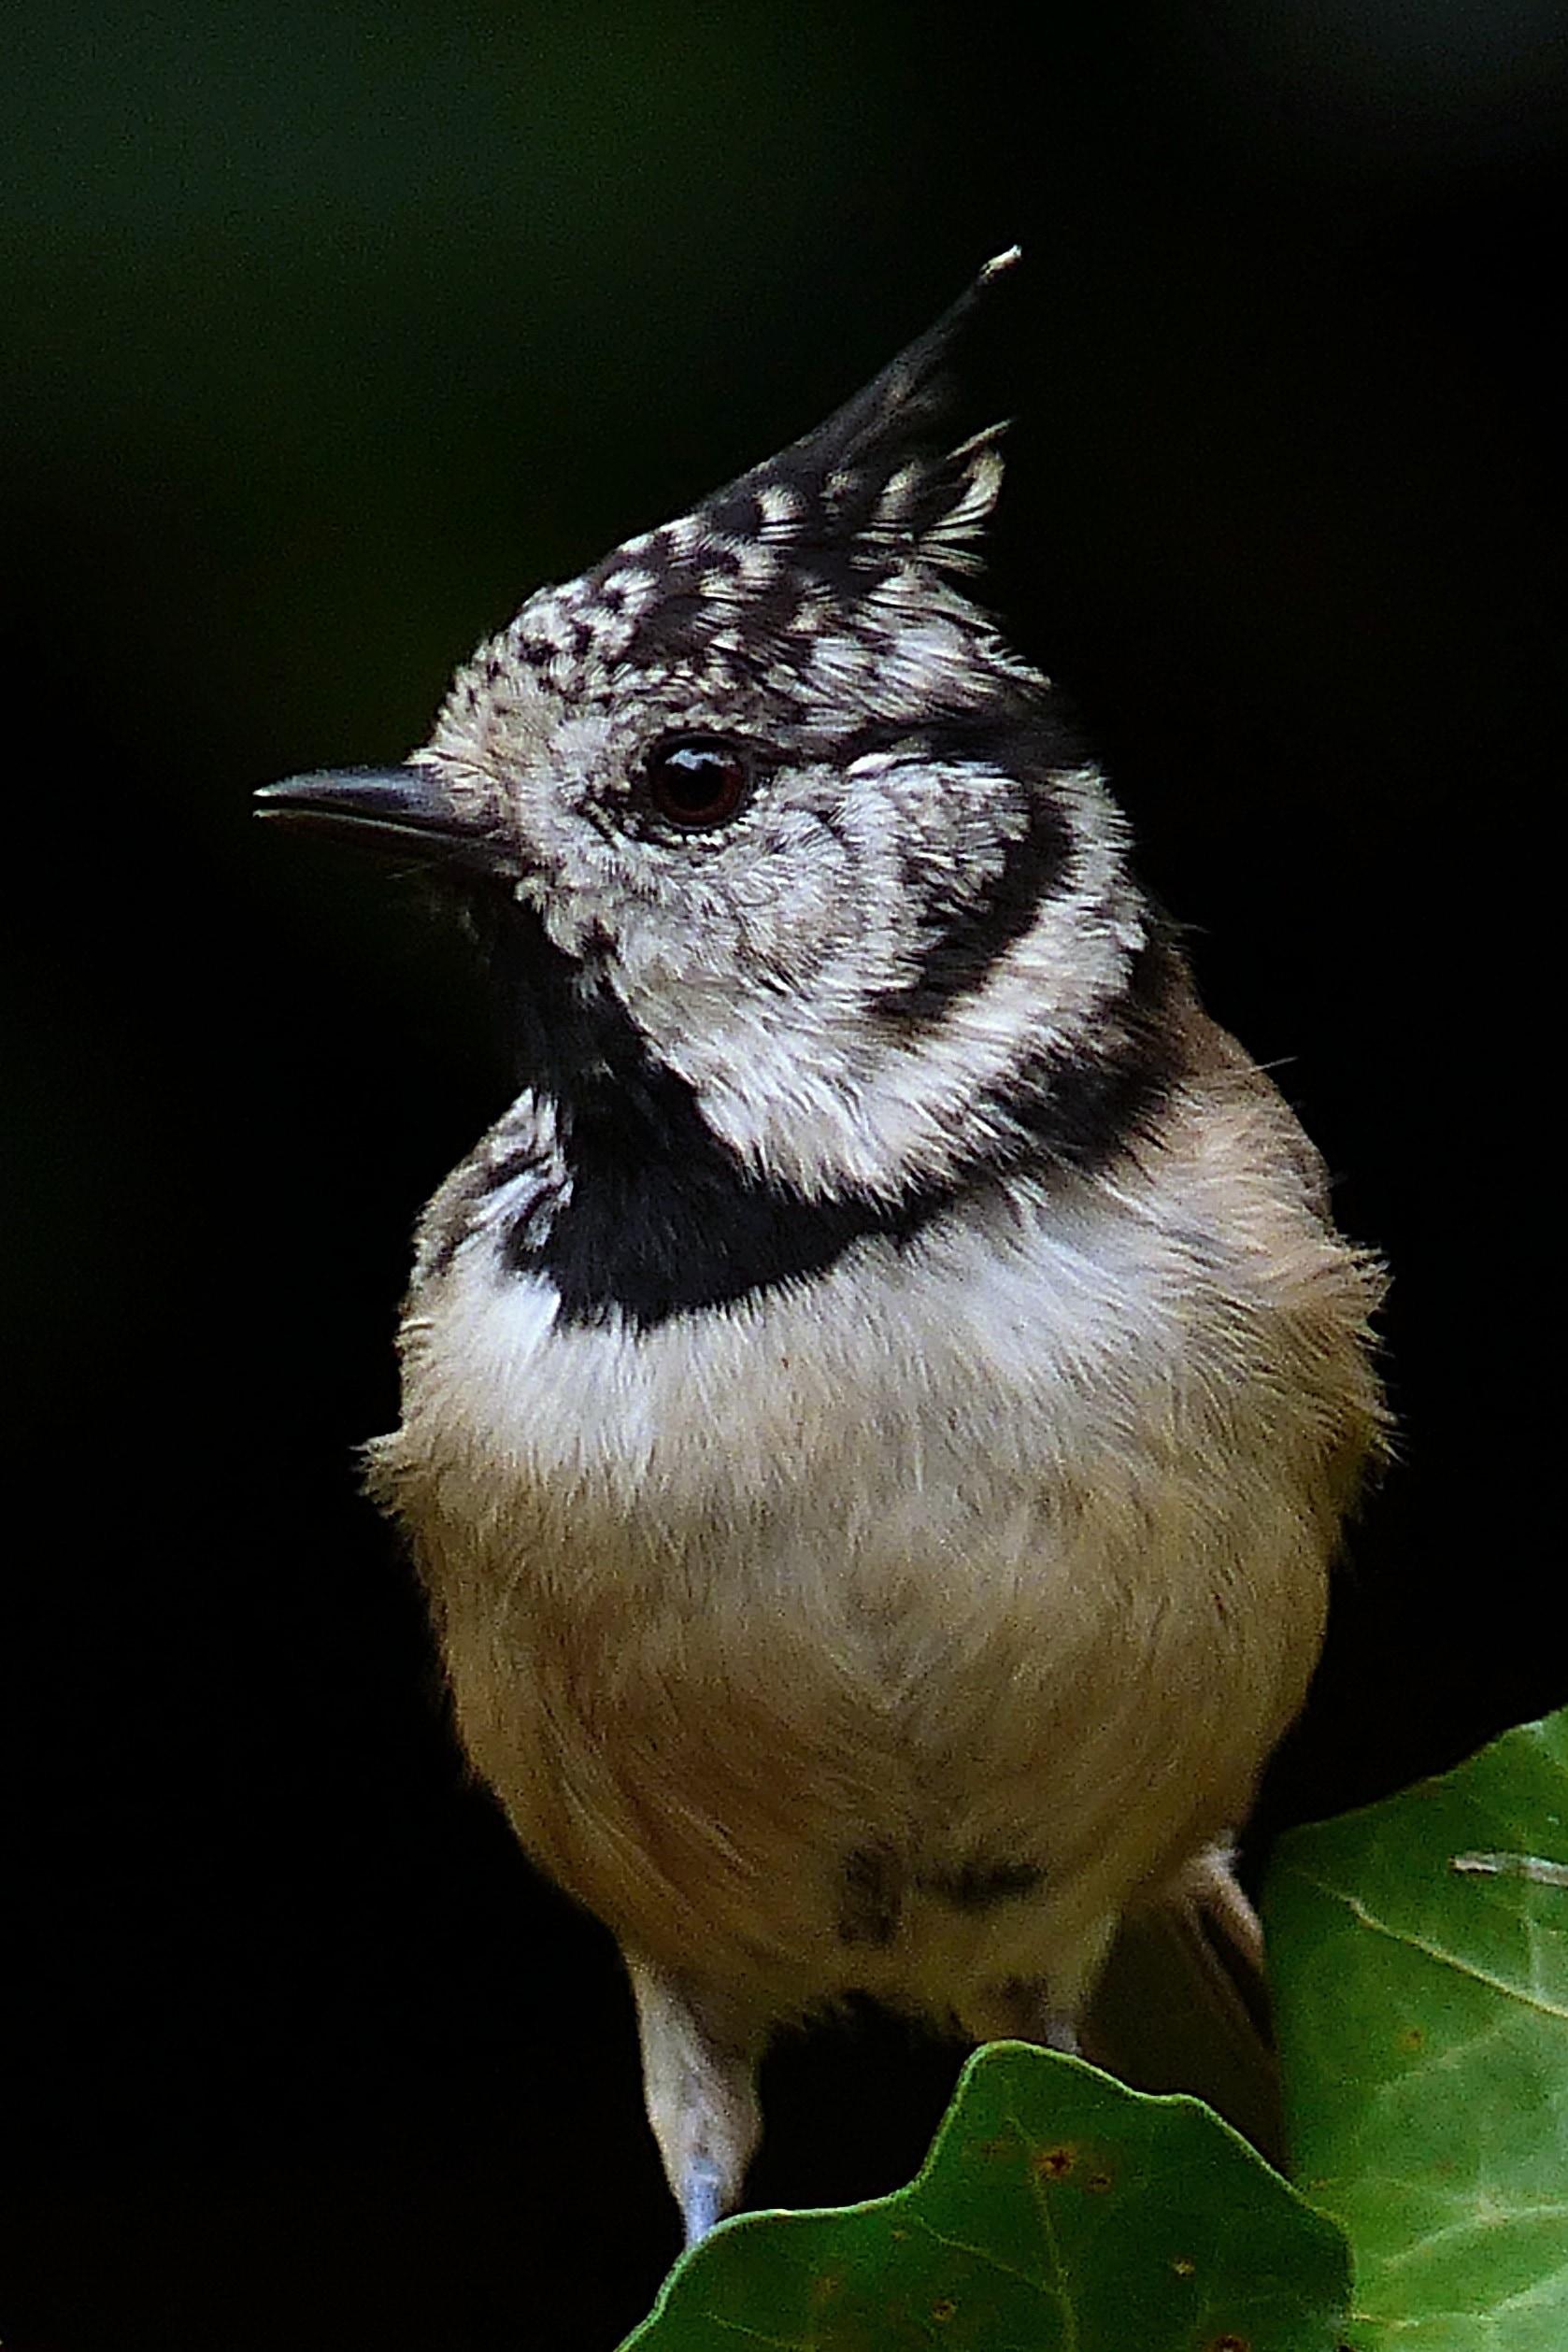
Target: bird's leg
{"x":699,"y":2086}
{"x":1210,"y":1882}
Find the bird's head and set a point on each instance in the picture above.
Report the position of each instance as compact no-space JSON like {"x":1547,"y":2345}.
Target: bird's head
{"x":765,"y":806}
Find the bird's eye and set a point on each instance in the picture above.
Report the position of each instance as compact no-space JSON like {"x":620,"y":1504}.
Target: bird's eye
{"x":697,"y":780}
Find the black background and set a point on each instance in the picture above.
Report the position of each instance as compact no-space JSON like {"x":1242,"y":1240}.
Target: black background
{"x":326,"y":334}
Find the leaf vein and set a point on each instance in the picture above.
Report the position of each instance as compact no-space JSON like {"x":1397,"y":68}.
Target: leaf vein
{"x":1359,"y":1911}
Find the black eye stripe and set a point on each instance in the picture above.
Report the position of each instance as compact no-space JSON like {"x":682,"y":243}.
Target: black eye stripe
{"x":696,"y":781}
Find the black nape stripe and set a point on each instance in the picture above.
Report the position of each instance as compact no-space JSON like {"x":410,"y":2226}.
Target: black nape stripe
{"x":1081,"y":1109}
{"x":969,"y":931}
{"x":970,"y":938}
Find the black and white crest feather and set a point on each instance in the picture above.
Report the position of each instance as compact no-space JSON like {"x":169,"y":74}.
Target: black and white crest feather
{"x":797,"y":548}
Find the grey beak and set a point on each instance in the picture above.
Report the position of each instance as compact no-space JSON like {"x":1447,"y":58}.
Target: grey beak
{"x":402,"y":809}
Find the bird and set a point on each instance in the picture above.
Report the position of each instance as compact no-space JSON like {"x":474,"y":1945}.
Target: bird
{"x":882,"y":1405}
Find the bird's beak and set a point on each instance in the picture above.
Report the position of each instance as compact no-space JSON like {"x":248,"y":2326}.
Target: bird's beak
{"x":402,"y":809}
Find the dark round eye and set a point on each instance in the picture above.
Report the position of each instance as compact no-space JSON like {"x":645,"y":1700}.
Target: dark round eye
{"x":697,"y":780}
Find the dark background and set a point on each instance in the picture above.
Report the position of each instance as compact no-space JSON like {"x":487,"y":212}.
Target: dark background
{"x":328,"y":331}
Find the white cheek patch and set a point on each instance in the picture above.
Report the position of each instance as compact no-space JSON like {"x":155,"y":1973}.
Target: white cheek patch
{"x":758,"y":984}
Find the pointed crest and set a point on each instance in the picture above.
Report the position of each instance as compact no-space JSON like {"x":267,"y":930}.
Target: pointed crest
{"x":753,"y":574}
{"x":875,"y":482}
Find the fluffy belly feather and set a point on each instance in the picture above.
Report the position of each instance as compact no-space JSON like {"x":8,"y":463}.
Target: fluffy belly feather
{"x":935,"y":1734}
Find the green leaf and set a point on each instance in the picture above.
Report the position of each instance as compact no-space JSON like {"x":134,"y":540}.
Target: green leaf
{"x":1056,"y":2213}
{"x":1420,"y":1961}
